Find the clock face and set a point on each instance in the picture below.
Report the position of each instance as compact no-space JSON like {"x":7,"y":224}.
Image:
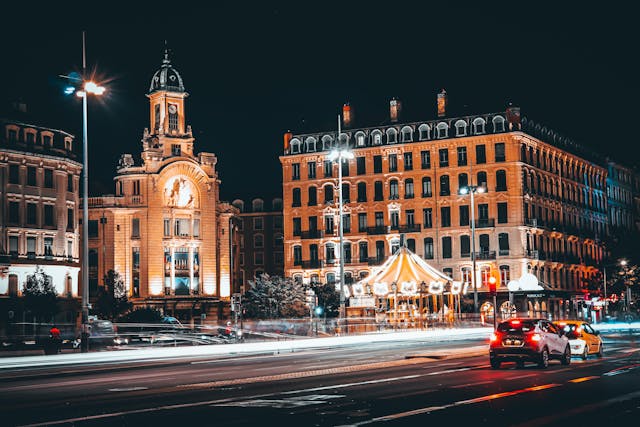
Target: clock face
{"x":172,"y":108}
{"x":180,"y":193}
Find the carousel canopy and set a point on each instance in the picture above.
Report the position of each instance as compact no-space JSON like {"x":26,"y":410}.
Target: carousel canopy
{"x":407,"y":271}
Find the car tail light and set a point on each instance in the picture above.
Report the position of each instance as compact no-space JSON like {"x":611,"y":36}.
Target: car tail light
{"x":493,"y":337}
{"x":515,"y":322}
{"x":535,"y":337}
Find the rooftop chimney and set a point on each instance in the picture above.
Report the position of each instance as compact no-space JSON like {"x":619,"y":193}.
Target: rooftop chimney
{"x":346,"y":115}
{"x":287,"y":139}
{"x":442,"y":103}
{"x":513,"y":117}
{"x":395,"y":107}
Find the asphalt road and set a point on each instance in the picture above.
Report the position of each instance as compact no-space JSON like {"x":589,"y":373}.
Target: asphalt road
{"x":367,"y":384}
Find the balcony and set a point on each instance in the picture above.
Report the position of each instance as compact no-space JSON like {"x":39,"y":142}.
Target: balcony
{"x":485,"y":255}
{"x":485,"y":223}
{"x":311,"y":234}
{"x":410,"y":228}
{"x":381,"y":229}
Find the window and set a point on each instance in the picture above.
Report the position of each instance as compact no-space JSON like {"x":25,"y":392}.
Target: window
{"x":313,"y":223}
{"x":444,"y":185}
{"x":296,"y":198}
{"x":135,"y":252}
{"x":330,"y":252}
{"x":407,"y":134}
{"x":347,"y":257}
{"x":70,"y":221}
{"x":478,"y":126}
{"x":461,"y":128}
{"x":482,"y":179}
{"x":328,"y":194}
{"x":426,"y":187}
{"x":445,"y":216}
{"x":395,"y":220}
{"x":393,"y":163}
{"x":428,"y":248}
{"x":48,"y":246}
{"x":360,"y":139}
{"x":423,"y":131}
{"x":181,"y":227}
{"x":363,"y":248}
{"x":48,"y":178}
{"x":362,"y":222}
{"x":361,"y":165}
{"x":297,"y":226}
{"x":505,"y":274}
{"x":377,"y":164}
{"x":70,"y":182}
{"x":32,"y":214}
{"x":427,"y":218}
{"x":392,"y":136}
{"x":49,"y":218}
{"x":464,"y":215}
{"x":483,"y":211}
{"x":501,"y":180}
{"x":258,"y":241}
{"x":463,"y":180}
{"x":462,"y":156}
{"x":362,"y":192}
{"x":156,"y":118}
{"x":328,"y":224}
{"x":346,"y":193}
{"x":377,"y":191}
{"x":442,"y":130}
{"x":31,"y":246}
{"x":46,"y":140}
{"x":311,"y":145}
{"x":136,"y":188}
{"x":167,"y":227}
{"x":502,"y":213}
{"x":176,"y":149}
{"x":311,"y":170}
{"x":503,"y":244}
{"x":425,"y":159}
{"x":258,"y":259}
{"x":408,"y":161}
{"x":14,"y":213}
{"x":408,"y":188}
{"x":377,"y":137}
{"x":32,"y":176}
{"x":444,"y":157}
{"x":13,"y":245}
{"x":258,"y":223}
{"x":313,"y":196}
{"x":379,"y":219}
{"x":481,"y":155}
{"x":173,"y":117}
{"x":295,"y":171}
{"x":500,"y":156}
{"x":393,"y":189}
{"x":14,"y":174}
{"x":135,"y":227}
{"x":346,"y":223}
{"x":484,"y":244}
{"x":196,"y":227}
{"x":31,"y":137}
{"x":345,"y":167}
{"x":410,"y":216}
{"x":380,"y":250}
{"x":498,"y":124}
{"x":465,"y":246}
{"x":328,"y":169}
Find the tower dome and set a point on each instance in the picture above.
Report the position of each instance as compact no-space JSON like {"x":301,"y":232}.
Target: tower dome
{"x":166,"y":78}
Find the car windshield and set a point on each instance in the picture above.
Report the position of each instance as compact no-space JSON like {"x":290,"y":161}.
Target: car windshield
{"x":571,"y":331}
{"x":517,"y":326}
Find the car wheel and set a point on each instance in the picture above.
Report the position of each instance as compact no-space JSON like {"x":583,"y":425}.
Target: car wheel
{"x":495,"y":363}
{"x":543,"y":361}
{"x":585,"y":353}
{"x":520,"y":364}
{"x":600,"y":351}
{"x":566,"y":357}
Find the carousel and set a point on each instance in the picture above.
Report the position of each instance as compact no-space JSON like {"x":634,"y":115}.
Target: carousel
{"x":406,"y":292}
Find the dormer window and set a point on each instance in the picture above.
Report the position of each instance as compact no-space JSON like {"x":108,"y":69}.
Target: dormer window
{"x":423,"y":132}
{"x":67,"y":144}
{"x":392,"y":136}
{"x":311,"y":144}
{"x":257,"y":205}
{"x":13,"y":135}
{"x":295,"y":146}
{"x":377,"y":137}
{"x":478,"y":126}
{"x":461,"y":128}
{"x":47,"y":141}
{"x":443,"y":130}
{"x":360,"y":139}
{"x":31,"y":137}
{"x":326,"y":142}
{"x":498,"y":124}
{"x":407,"y":134}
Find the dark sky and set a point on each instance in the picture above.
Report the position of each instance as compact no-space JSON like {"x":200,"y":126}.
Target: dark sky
{"x":254,"y":71}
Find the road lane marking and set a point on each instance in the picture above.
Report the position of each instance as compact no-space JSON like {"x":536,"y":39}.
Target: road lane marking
{"x":521,"y":376}
{"x":287,"y":403}
{"x":622,"y":370}
{"x":430,"y":409}
{"x":472,"y":384}
{"x":583,"y":379}
{"x":129,"y":389}
{"x":329,"y":387}
{"x":449,"y":371}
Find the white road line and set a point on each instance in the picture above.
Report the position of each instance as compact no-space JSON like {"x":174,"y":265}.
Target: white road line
{"x":336,"y":386}
{"x":129,"y":389}
{"x":472,"y":384}
{"x":448,"y":371}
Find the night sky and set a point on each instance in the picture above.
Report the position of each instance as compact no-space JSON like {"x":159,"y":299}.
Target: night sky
{"x":254,"y":71}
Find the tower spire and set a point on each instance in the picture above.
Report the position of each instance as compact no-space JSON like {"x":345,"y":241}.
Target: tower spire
{"x":166,"y":59}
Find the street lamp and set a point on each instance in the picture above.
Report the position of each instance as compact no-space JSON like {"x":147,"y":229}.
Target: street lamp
{"x":625,"y":272}
{"x":340,"y":154}
{"x":471,"y":190}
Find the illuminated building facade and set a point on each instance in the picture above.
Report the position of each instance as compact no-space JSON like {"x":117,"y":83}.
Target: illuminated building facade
{"x":544,"y":210}
{"x":39,"y":187}
{"x":165,"y":230}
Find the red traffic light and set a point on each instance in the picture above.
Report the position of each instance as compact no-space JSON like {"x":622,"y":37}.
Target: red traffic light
{"x":492,"y":285}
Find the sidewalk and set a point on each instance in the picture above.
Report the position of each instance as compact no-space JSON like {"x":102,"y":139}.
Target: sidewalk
{"x":220,"y":350}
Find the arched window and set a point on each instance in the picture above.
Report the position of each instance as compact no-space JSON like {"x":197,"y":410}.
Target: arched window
{"x":498,"y":124}
{"x":238,"y":204}
{"x":376,"y":135}
{"x":327,"y":142}
{"x":442,"y":130}
{"x":258,"y":241}
{"x":501,"y":180}
{"x":328,"y":194}
{"x":424,"y":132}
{"x":465,"y":246}
{"x":360,"y":139}
{"x":478,"y":126}
{"x":311,"y":144}
{"x":377,"y":191}
{"x":257,"y":205}
{"x":461,"y":128}
{"x":482,"y":179}
{"x":330,"y":253}
{"x":505,"y":275}
{"x":444,"y":185}
{"x":297,"y":255}
{"x":295,"y":146}
{"x":296,"y":202}
{"x":392,"y":136}
{"x":393,"y":189}
{"x":484,"y":245}
{"x":362,"y":192}
{"x":463,"y":180}
{"x":313,"y":196}
{"x":428,"y":248}
{"x":426,"y":187}
{"x":408,"y":188}
{"x":407,"y":134}
{"x":503,"y":244}
{"x":346,"y":192}
{"x":276,"y":204}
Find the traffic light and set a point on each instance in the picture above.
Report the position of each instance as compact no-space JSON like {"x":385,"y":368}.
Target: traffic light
{"x":492,"y":285}
{"x":493,"y":280}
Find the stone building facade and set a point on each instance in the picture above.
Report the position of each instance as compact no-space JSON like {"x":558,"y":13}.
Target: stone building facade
{"x":165,"y":230}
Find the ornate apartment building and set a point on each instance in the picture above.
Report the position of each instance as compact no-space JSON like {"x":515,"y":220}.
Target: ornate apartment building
{"x":261,"y":239}
{"x":165,"y":230}
{"x":543,"y":211}
{"x":39,"y":186}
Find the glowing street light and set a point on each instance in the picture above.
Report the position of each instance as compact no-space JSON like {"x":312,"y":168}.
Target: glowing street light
{"x":471,"y":190}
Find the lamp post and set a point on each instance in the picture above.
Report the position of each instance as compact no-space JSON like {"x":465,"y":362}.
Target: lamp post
{"x":471,"y":190}
{"x":340,"y":154}
{"x":394,"y":288}
{"x":421,"y":291}
{"x":625,"y":272}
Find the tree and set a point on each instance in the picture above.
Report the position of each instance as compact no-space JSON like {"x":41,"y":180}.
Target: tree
{"x":40,"y":296}
{"x":328,"y":298}
{"x":112,"y":298}
{"x":143,"y":315}
{"x":274,"y":297}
